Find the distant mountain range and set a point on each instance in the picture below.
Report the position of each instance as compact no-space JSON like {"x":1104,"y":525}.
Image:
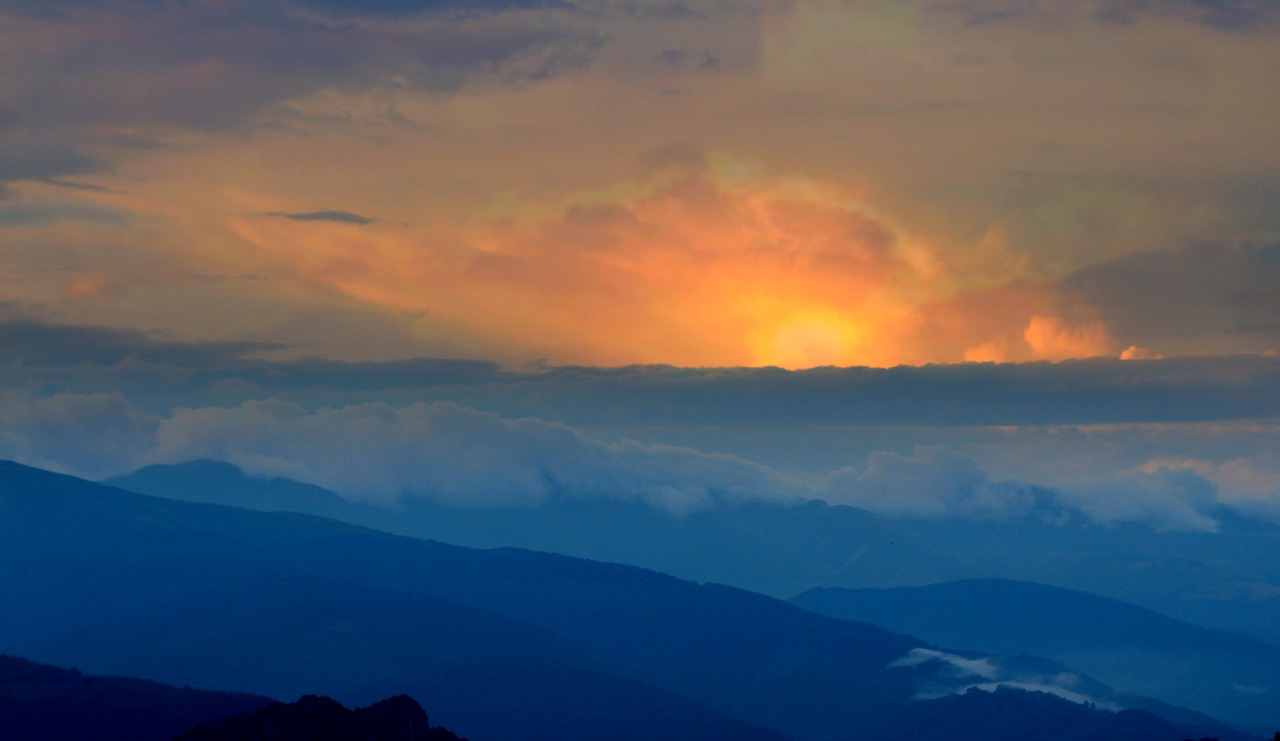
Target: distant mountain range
{"x":507,"y":644}
{"x":1228,"y":580}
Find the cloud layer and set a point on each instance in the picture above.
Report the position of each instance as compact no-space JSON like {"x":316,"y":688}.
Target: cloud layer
{"x":446,"y":453}
{"x":161,"y":373}
{"x":455,"y":455}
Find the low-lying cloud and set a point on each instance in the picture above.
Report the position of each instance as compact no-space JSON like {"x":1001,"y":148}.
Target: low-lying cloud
{"x":446,"y":453}
{"x":935,"y":482}
{"x":452,"y":454}
{"x":953,"y":674}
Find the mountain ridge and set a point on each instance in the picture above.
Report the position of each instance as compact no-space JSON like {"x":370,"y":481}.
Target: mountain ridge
{"x":740,"y":654}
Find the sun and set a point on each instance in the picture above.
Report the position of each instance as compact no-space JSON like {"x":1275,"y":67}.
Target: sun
{"x":809,"y":339}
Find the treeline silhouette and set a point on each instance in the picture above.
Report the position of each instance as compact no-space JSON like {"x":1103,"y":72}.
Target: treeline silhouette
{"x":314,"y":718}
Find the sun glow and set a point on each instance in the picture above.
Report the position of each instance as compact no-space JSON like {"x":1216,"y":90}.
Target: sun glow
{"x":807,"y":340}
{"x":689,"y":268}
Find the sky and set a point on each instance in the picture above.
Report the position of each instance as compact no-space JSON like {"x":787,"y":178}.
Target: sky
{"x":1015,"y":240}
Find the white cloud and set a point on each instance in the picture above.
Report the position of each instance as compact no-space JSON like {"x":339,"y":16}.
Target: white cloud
{"x":444,"y":452}
{"x":934,"y":481}
{"x":952,"y":674}
{"x":1166,"y":499}
{"x":453,"y":454}
{"x":958,"y":666}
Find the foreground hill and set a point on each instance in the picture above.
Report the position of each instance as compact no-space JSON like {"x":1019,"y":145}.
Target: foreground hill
{"x":313,"y":718}
{"x":52,"y":704}
{"x":1132,"y":648}
{"x":507,"y":644}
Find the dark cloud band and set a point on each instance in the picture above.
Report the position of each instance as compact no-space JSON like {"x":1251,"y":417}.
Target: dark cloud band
{"x":161,"y":373}
{"x":337,"y":217}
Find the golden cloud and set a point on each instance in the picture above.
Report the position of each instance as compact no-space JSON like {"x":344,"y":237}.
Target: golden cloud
{"x":690,"y":268}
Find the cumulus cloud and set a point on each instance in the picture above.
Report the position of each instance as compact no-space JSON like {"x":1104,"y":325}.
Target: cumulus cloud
{"x":1051,"y":338}
{"x":1165,"y":499}
{"x":937,"y":482}
{"x":693,"y":266}
{"x":456,"y":455}
{"x":933,"y":482}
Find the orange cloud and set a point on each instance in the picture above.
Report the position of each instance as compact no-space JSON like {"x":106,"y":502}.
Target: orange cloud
{"x":1052,"y":338}
{"x":687,"y":268}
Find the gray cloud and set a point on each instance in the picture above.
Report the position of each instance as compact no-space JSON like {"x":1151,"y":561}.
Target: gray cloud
{"x":339,"y":217}
{"x":32,"y":155}
{"x":29,"y":214}
{"x":1209,"y":296}
{"x":212,"y":66}
{"x":67,"y":9}
{"x":40,"y":345}
{"x":155,"y":372}
{"x":418,"y":7}
{"x":1220,"y":15}
{"x":1223,"y":15}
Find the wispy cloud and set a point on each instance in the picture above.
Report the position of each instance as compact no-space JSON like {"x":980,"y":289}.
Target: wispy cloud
{"x":1089,"y":392}
{"x":212,"y":66}
{"x":953,"y":674}
{"x":337,"y":217}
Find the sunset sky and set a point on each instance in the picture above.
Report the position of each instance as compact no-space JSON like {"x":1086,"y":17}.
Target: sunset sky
{"x":711,"y":183}
{"x":536,"y":184}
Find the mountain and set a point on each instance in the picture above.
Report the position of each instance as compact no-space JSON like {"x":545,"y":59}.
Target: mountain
{"x":525,"y":644}
{"x":314,"y":718}
{"x":1226,"y":675}
{"x":216,"y":482}
{"x":761,"y":546}
{"x":1229,"y":580}
{"x":52,"y":704}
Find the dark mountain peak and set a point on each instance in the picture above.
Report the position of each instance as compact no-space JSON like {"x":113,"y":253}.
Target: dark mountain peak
{"x":318,"y":718}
